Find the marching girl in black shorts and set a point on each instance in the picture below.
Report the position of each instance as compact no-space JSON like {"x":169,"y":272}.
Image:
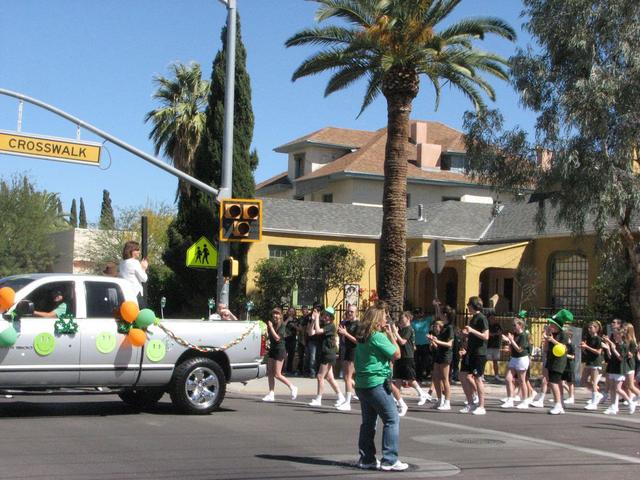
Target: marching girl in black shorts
{"x":592,"y":357}
{"x":404,"y":369}
{"x":276,"y":355}
{"x":323,"y":325}
{"x":349,"y":331}
{"x":442,"y":338}
{"x":632,"y":355}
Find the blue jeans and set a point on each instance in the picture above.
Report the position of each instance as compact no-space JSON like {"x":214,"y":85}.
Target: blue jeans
{"x":311,"y":358}
{"x":376,"y":402}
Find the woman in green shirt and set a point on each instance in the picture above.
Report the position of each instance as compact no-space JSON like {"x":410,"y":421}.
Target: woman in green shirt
{"x":377,"y":346}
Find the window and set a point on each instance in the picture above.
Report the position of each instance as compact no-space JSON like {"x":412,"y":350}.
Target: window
{"x":327,"y":198}
{"x":279,"y":251}
{"x":298,"y":160}
{"x":450,"y":199}
{"x":454,"y":163}
{"x":408,"y":200}
{"x":42,"y":297}
{"x":569,"y":283}
{"x":103,"y":299}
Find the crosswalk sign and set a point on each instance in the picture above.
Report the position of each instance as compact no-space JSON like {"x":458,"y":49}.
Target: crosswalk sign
{"x":202,"y":254}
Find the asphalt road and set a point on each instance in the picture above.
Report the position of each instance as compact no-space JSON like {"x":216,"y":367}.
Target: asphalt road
{"x":98,"y":437}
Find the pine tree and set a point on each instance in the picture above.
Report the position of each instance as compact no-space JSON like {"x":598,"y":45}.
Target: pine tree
{"x":195,"y":212}
{"x":107,"y":220}
{"x":73,"y":217}
{"x":83,"y":215}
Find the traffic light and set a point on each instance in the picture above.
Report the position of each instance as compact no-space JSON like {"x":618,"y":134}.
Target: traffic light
{"x":240,"y":220}
{"x":230,"y":268}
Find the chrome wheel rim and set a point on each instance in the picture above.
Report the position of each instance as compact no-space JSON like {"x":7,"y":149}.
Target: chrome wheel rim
{"x":202,"y":387}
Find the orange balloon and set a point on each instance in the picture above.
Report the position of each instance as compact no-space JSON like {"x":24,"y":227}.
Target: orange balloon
{"x":129,"y":311}
{"x":7,"y":297}
{"x":137,"y":337}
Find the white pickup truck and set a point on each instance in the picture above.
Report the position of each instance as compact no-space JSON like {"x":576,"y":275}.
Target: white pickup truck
{"x":99,"y":358}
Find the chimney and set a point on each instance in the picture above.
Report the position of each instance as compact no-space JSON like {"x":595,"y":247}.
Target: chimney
{"x":420,"y":212}
{"x":419,"y":132}
{"x":427,"y":154}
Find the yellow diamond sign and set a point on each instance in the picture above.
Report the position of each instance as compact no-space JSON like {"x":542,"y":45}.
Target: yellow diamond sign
{"x":202,"y":254}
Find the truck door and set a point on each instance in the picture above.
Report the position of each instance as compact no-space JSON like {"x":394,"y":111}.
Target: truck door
{"x":40,"y":357}
{"x":107,"y":358}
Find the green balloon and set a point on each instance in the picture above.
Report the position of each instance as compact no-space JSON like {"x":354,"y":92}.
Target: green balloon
{"x":8,"y":336}
{"x":145,"y":318}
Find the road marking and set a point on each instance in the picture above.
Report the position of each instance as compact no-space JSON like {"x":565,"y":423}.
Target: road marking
{"x":622,"y":417}
{"x":549,"y":443}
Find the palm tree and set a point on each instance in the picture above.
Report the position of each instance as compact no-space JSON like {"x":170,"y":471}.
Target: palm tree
{"x":392,"y":43}
{"x":179,"y":122}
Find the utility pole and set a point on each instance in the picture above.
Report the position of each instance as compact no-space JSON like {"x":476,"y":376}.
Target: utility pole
{"x":226,"y":183}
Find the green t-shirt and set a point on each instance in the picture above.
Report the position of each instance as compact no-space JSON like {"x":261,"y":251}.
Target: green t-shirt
{"x":60,"y":309}
{"x":477,"y":346}
{"x":277,"y":345}
{"x":589,"y":358}
{"x":372,"y":361}
{"x":329,"y":340}
{"x":557,"y":364}
{"x":407,"y":334}
{"x":522,"y":340}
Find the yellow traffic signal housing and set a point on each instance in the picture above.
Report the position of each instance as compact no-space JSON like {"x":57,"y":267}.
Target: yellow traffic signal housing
{"x":240,"y":220}
{"x":230,"y":268}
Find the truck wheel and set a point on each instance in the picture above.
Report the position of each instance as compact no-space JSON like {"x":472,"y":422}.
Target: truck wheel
{"x":142,"y":397}
{"x":198,"y":386}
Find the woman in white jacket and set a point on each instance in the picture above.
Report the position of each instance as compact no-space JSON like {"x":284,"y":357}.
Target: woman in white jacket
{"x":134,"y":270}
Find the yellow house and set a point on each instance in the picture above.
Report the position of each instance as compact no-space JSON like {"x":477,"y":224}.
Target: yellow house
{"x":491,"y":250}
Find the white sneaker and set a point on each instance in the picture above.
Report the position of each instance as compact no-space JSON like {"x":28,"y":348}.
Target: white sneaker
{"x":598,"y":398}
{"x":523,"y":405}
{"x":590,"y":401}
{"x":505,"y":399}
{"x":355,"y":397}
{"x":369,"y":466}
{"x":445,"y":406}
{"x":269,"y":397}
{"x":294,"y":392}
{"x":557,"y":409}
{"x":402,"y":409}
{"x":517,"y":398}
{"x":340,"y":400}
{"x":570,"y":401}
{"x":508,"y":404}
{"x":316,"y":402}
{"x":537,"y":404}
{"x":396,"y":467}
{"x":479,"y":411}
{"x":424,"y":399}
{"x":611,"y":411}
{"x":466,"y":409}
{"x":591,"y":406}
{"x":632,"y":407}
{"x":344,"y":407}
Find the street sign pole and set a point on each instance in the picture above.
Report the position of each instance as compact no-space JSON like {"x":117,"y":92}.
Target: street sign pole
{"x":436,"y":257}
{"x":435,"y":276}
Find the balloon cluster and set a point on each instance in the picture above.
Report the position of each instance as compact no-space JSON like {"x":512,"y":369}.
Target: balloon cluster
{"x":138,"y":320}
{"x":8,"y":334}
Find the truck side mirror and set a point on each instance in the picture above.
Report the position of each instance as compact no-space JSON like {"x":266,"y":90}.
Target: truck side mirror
{"x":24,"y":307}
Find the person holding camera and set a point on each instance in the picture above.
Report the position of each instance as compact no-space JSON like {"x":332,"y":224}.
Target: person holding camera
{"x":377,"y":347}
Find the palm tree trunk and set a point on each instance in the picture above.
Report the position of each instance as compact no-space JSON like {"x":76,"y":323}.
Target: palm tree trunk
{"x":394,"y":202}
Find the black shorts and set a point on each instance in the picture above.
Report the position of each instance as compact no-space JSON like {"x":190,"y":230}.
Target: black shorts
{"x":568,"y":376}
{"x":277,"y":354}
{"x":327,"y":359}
{"x":443,"y":357}
{"x":349,"y":355}
{"x":555,"y":377}
{"x":404,"y":369}
{"x":473,"y":364}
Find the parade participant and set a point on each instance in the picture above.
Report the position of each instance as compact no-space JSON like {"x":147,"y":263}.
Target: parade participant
{"x":557,"y":357}
{"x":592,"y":357}
{"x":59,"y":306}
{"x":324,"y":327}
{"x":632,"y":354}
{"x":303,"y":321}
{"x":291,"y":330}
{"x":617,"y":348}
{"x":568,"y":376}
{"x":539,"y":401}
{"x":442,"y":338}
{"x":314,"y":343}
{"x":421,"y":325}
{"x":518,"y":364}
{"x":404,"y":368}
{"x":276,"y":355}
{"x":348,"y":331}
{"x":377,"y":346}
{"x":494,"y":343}
{"x":474,"y":357}
{"x":134,"y":270}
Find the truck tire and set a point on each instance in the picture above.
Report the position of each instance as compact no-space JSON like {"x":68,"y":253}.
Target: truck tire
{"x":198,"y":386}
{"x":142,"y":397}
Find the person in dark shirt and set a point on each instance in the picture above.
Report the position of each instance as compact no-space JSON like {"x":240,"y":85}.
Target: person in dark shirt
{"x":474,"y":356}
{"x":592,"y":358}
{"x":617,"y":348}
{"x":291,"y":331}
{"x":303,"y":321}
{"x":323,"y":326}
{"x":276,"y":355}
{"x":568,"y":376}
{"x":348,"y":331}
{"x":494,"y":343}
{"x":518,"y":364}
{"x":557,"y":357}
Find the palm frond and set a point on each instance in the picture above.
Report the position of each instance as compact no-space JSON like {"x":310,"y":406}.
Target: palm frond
{"x":321,"y":36}
{"x":373,"y":90}
{"x":346,"y":76}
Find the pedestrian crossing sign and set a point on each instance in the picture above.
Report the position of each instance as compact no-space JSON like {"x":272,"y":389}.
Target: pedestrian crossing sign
{"x":202,"y":254}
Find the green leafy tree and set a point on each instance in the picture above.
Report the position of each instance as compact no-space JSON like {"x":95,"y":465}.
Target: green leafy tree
{"x":334,"y":266}
{"x":583,"y":84}
{"x":107,"y":219}
{"x":198,"y":285}
{"x":83,"y":215}
{"x":73,"y":216}
{"x":29,"y":217}
{"x":392,"y":44}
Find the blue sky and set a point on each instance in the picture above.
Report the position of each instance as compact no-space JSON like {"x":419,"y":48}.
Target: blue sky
{"x":96,"y":60}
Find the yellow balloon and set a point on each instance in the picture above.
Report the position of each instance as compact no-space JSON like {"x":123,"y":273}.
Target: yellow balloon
{"x":559,"y":349}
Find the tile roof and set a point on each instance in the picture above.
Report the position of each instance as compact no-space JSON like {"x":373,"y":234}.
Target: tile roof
{"x":279,"y":178}
{"x":343,"y":137}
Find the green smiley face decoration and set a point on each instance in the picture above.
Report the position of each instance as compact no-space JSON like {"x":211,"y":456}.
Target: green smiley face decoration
{"x":106,"y":342}
{"x":44,"y":344}
{"x":156,"y":350}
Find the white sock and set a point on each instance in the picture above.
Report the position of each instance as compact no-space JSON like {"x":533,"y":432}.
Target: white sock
{"x":348,"y":397}
{"x":318,"y":398}
{"x":614,"y":403}
{"x":419,"y":390}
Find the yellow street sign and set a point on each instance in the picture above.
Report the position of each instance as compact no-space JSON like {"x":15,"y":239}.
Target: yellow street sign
{"x":51,"y":148}
{"x":202,"y":254}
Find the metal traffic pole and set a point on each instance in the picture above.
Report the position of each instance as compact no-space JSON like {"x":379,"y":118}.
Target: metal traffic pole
{"x":227,"y":140}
